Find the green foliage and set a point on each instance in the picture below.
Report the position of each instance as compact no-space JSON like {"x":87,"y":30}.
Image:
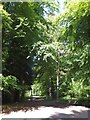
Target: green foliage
{"x":37,"y":89}
{"x":76,"y":88}
{"x":8,"y":82}
{"x":74,"y":31}
{"x":55,"y":46}
{"x":22,"y":27}
{"x":72,"y":56}
{"x":78,"y":92}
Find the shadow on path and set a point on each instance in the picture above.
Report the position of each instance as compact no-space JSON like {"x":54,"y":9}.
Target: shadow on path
{"x":30,"y":105}
{"x":83,"y":114}
{"x":61,"y":111}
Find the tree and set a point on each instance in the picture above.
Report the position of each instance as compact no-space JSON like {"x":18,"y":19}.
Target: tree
{"x":74,"y":25}
{"x":15,"y":49}
{"x":22,"y":32}
{"x":48,"y":59}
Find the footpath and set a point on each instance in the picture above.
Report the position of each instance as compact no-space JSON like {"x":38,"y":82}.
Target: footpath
{"x":44,"y":110}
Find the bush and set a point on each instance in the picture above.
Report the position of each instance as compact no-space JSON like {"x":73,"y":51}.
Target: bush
{"x":78,"y":92}
{"x":8,"y":82}
{"x":9,"y":88}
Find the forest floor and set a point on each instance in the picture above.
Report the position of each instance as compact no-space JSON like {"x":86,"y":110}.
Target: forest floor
{"x":43,"y":109}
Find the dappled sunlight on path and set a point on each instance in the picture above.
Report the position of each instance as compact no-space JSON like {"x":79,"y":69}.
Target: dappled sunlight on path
{"x":50,"y":112}
{"x":43,"y":109}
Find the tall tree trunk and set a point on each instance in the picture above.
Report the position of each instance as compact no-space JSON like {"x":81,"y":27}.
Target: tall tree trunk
{"x":57,"y":87}
{"x":57,"y":82}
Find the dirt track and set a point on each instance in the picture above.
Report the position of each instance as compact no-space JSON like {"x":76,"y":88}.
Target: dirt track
{"x":38,"y":109}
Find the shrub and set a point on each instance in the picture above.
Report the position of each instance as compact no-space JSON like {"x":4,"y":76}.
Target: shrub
{"x":79,"y":91}
{"x":8,"y":82}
